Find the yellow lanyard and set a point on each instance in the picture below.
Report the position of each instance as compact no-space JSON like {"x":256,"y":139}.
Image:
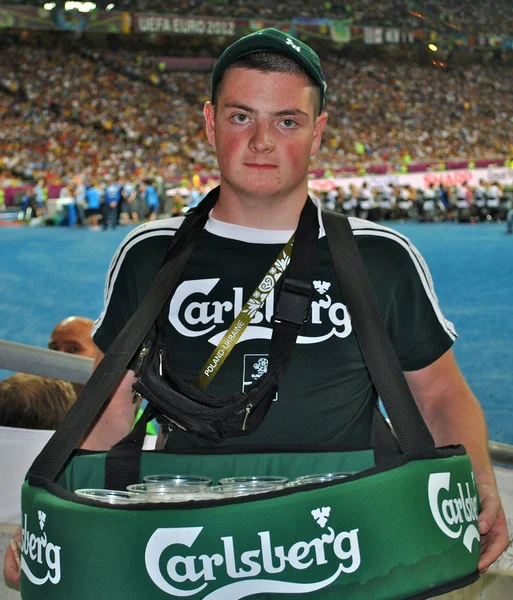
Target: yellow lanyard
{"x":243,"y":319}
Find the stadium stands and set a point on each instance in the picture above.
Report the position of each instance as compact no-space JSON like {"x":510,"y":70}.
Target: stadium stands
{"x":69,"y":110}
{"x":492,"y":16}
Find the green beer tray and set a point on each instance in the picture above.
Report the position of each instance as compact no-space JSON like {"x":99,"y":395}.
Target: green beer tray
{"x":405,"y":531}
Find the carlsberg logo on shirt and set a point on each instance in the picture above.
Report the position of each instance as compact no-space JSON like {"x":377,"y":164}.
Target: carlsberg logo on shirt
{"x":454,"y":510}
{"x":193,"y":314}
{"x":177,"y":563}
{"x":40,"y":559}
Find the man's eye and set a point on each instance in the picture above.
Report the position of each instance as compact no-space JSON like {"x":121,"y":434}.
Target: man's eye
{"x":289,"y":123}
{"x":240,"y":118}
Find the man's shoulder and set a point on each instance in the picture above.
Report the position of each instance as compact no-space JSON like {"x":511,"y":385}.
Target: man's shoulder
{"x":362,"y":227}
{"x":383,"y":245}
{"x":371,"y":233}
{"x":146,"y":242}
{"x":151,"y":233}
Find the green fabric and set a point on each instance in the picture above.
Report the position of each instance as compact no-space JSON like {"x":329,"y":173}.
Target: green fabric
{"x":326,"y":397}
{"x":88,"y":471}
{"x":151,"y":428}
{"x":385,"y":537}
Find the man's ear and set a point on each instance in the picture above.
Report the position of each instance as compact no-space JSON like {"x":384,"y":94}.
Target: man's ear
{"x":320,"y":124}
{"x":210,"y":120}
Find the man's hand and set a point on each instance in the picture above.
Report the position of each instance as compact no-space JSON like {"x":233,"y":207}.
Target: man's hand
{"x":492,"y":524}
{"x":11,"y":562}
{"x":453,"y":415}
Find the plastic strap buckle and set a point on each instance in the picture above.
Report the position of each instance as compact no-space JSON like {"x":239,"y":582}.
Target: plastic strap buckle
{"x":293,"y":302}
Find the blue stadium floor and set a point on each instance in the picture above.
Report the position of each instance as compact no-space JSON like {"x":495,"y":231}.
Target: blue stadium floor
{"x":50,"y":273}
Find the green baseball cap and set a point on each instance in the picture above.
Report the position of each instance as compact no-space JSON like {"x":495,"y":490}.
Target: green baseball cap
{"x":278,"y":42}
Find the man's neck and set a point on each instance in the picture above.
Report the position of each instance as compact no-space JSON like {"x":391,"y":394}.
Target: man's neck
{"x":260,"y":212}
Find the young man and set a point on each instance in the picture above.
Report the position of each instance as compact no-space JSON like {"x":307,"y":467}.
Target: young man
{"x":265,"y":121}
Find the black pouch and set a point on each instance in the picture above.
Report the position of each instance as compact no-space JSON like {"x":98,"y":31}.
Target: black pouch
{"x":183,"y":406}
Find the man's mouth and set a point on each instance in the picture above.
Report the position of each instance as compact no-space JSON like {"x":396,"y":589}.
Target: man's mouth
{"x":260,"y":166}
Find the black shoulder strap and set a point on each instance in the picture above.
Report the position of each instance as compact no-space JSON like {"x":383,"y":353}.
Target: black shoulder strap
{"x":107,"y":374}
{"x":375,"y":344}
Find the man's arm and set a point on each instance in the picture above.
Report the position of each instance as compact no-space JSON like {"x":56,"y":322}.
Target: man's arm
{"x":454,"y":416}
{"x":118,"y":417}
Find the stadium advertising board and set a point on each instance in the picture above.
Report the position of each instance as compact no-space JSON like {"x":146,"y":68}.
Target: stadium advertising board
{"x":340,"y":31}
{"x":31,"y":17}
{"x":504,"y":176}
{"x":207,"y":26}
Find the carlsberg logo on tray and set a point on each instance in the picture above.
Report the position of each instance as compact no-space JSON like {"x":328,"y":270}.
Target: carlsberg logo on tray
{"x":454,"y":508}
{"x":40,"y":559}
{"x":267,"y":567}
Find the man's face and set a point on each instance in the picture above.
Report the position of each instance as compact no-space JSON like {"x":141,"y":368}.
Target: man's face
{"x":73,"y":338}
{"x":265,"y":129}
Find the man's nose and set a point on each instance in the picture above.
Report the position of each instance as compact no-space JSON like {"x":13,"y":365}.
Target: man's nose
{"x":262,"y":140}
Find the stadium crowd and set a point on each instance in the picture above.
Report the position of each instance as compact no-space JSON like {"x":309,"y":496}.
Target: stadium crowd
{"x":68,"y":112}
{"x":491,"y":16}
{"x":101,"y":204}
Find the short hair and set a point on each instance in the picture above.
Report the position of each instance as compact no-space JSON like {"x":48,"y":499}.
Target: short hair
{"x":34,"y":402}
{"x":270,"y":62}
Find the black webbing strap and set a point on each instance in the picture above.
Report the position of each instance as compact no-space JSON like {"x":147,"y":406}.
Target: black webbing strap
{"x":375,"y":344}
{"x":383,"y":440}
{"x":123,"y":461}
{"x":107,"y":374}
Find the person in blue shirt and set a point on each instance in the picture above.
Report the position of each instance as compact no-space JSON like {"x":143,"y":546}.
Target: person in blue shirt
{"x":40,"y":193}
{"x":93,"y":198}
{"x":28,"y":205}
{"x":112,"y":200}
{"x":79,"y":196}
{"x":149,"y":193}
{"x":129,"y":195}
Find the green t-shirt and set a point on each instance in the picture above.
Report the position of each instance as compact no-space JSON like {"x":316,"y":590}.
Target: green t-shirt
{"x":326,"y":397}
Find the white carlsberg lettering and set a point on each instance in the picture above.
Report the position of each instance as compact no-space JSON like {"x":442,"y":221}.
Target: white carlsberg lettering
{"x":351,"y":551}
{"x":267,"y":554}
{"x":37,"y":550}
{"x":231,"y":567}
{"x":193,"y":314}
{"x":249,"y":569}
{"x":454,"y":512}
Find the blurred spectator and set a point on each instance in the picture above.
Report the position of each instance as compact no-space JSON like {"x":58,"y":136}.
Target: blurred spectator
{"x":31,"y":407}
{"x":112,"y":203}
{"x":34,"y":402}
{"x":73,"y":336}
{"x":150,"y":196}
